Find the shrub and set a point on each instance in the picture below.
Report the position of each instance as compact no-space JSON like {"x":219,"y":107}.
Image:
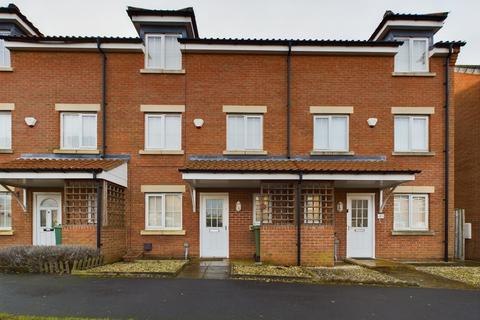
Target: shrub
{"x":29,"y":258}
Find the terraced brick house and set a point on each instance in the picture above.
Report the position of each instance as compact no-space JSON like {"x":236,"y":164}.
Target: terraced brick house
{"x":170,"y":142}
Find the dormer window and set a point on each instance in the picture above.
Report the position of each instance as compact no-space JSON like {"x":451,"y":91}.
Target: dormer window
{"x":412,"y":55}
{"x":163,"y":52}
{"x":4,"y":52}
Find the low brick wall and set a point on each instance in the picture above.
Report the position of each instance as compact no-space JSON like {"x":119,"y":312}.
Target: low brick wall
{"x":278,"y":245}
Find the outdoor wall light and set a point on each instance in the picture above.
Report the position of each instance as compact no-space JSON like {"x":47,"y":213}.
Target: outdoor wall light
{"x":30,"y":121}
{"x":238,"y":206}
{"x":198,"y":123}
{"x":340,"y":206}
{"x":372,"y":122}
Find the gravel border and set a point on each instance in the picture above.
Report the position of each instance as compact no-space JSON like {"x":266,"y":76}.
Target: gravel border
{"x":468,"y":275}
{"x":139,"y":268}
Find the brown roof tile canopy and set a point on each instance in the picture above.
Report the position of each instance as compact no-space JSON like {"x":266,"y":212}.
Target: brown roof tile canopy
{"x":60,"y":165}
{"x":305,"y":166}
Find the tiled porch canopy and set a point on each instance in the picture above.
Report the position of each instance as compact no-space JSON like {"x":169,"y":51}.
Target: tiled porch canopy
{"x":52,"y":172}
{"x":201,"y":173}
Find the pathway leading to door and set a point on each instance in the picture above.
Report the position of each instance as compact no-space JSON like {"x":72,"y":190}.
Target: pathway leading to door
{"x":210,"y":269}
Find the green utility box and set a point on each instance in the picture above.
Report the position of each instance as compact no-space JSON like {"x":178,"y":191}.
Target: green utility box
{"x":256,"y":232}
{"x":58,"y":235}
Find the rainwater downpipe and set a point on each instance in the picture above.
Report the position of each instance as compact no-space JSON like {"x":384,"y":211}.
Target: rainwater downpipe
{"x":298,"y":218}
{"x":447,"y":151}
{"x":289,"y":98}
{"x":104,"y":98}
{"x":99,"y":209}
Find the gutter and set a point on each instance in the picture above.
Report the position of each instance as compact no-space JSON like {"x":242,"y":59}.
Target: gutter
{"x":447,"y":149}
{"x":289,"y":98}
{"x":104,"y":98}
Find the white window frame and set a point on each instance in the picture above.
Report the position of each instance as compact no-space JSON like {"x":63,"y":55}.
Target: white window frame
{"x":162,"y":36}
{"x":8,"y":197}
{"x":162,"y":225}
{"x":330,"y":136}
{"x":245,"y":117}
{"x":3,"y":62}
{"x":8,"y":147}
{"x":410,"y":53}
{"x":162,"y":138}
{"x":410,"y":210}
{"x":410,"y":130}
{"x":81,"y":146}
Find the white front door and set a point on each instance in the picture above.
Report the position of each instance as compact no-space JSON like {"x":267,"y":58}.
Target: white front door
{"x":47,"y":214}
{"x":360,"y":226}
{"x":214,"y":225}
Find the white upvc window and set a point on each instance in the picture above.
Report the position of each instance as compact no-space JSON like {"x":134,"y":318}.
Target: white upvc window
{"x":78,"y":131}
{"x":244,"y":132}
{"x":163,"y":52}
{"x":5,"y":130}
{"x":163,"y":131}
{"x":411,"y":133}
{"x":330,"y":133}
{"x":262,"y":209}
{"x":4,"y":52}
{"x":412,"y":55}
{"x":163,"y":211}
{"x":5,"y":211}
{"x":410,"y":212}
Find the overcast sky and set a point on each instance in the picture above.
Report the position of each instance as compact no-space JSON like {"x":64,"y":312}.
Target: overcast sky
{"x":309,"y":19}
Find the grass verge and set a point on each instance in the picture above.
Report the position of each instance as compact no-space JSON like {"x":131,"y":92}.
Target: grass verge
{"x":6,"y":316}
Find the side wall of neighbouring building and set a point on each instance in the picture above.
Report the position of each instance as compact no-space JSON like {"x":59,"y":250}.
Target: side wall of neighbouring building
{"x":467,"y":162}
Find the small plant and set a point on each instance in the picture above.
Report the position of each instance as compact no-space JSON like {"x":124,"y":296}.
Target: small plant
{"x":30,"y":258}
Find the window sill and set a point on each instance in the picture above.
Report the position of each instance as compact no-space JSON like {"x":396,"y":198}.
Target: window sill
{"x":162,"y":232}
{"x":153,"y":152}
{"x":332,"y":153}
{"x":6,"y":69}
{"x":414,"y":74}
{"x":6,"y":151}
{"x":420,"y":154}
{"x":79,"y":151}
{"x":413,"y":233}
{"x":241,"y":153}
{"x":162,"y":71}
{"x":6,"y":232}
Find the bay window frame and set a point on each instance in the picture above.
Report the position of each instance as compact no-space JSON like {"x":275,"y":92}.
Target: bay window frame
{"x":8,"y":197}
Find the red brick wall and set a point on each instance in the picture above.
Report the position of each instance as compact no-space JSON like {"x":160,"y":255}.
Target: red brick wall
{"x":113,"y":243}
{"x":278,"y":245}
{"x":467,"y":141}
{"x":41,"y":79}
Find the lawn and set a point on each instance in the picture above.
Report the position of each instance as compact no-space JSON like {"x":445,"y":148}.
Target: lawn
{"x":468,"y":275}
{"x":163,"y":267}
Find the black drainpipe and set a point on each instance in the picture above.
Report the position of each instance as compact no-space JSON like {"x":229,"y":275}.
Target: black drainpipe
{"x":298,"y":218}
{"x":104,"y":98}
{"x":447,"y":97}
{"x":99,"y":209}
{"x":289,"y":102}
